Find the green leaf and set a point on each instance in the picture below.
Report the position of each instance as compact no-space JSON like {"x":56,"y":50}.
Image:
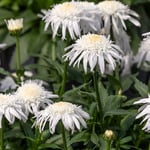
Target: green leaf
{"x":82,"y":136}
{"x":116,"y":112}
{"x":95,"y":139}
{"x":140,"y":87}
{"x":4,"y":72}
{"x":125,"y":140}
{"x":126,"y":82}
{"x":49,"y":145}
{"x":103,"y":93}
{"x":127,"y":121}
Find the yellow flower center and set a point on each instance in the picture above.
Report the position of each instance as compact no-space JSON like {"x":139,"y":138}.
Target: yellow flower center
{"x":30,"y":91}
{"x":65,"y":10}
{"x":94,"y":38}
{"x":62,"y":107}
{"x":67,"y":7}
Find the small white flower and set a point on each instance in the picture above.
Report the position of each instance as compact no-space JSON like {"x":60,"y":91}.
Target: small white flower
{"x":70,"y":115}
{"x":114,"y":14}
{"x":143,"y":56}
{"x":3,"y":45}
{"x":8,"y":83}
{"x":144,"y":111}
{"x":73,"y":17}
{"x":10,"y":109}
{"x":94,"y":50}
{"x":32,"y":95}
{"x":14,"y":25}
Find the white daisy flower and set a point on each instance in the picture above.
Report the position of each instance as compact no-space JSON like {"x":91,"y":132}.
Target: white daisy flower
{"x":32,"y":95}
{"x":70,"y":115}
{"x":94,"y":49}
{"x":114,"y":14}
{"x":144,"y":111}
{"x":91,"y":11}
{"x":14,"y":25}
{"x":72,"y":17}
{"x":10,"y":109}
{"x":143,"y":56}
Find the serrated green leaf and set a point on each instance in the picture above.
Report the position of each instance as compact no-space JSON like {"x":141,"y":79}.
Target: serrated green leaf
{"x":140,"y":87}
{"x":95,"y":139}
{"x":127,"y":121}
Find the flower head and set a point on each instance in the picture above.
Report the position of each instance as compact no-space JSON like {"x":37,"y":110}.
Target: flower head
{"x":10,"y":109}
{"x":114,"y":14}
{"x":14,"y":25}
{"x":118,"y":13}
{"x":73,"y":17}
{"x":94,"y":50}
{"x":70,"y":115}
{"x":144,"y":111}
{"x":143,"y":56}
{"x":32,"y":95}
{"x":109,"y":135}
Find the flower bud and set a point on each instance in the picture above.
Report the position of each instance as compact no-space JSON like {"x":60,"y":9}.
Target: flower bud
{"x":14,"y":25}
{"x":109,"y":135}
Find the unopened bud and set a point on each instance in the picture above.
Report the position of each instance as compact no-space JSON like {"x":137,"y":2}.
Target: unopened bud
{"x":120,"y":92}
{"x":14,"y":26}
{"x":109,"y":135}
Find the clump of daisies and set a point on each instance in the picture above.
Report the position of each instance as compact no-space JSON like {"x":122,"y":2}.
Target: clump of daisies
{"x":70,"y":114}
{"x":142,"y":58}
{"x":94,"y":51}
{"x":114,"y":14}
{"x":10,"y":109}
{"x":74,"y":17}
{"x":33,"y":96}
{"x":144,"y":112}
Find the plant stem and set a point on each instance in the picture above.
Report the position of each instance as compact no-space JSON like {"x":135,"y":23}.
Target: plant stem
{"x":53,"y":49}
{"x":18,"y":58}
{"x":2,"y":136}
{"x":86,"y":82}
{"x":64,"y":136}
{"x":95,"y":78}
{"x":37,"y":139}
{"x":64,"y":77}
{"x":108,"y":144}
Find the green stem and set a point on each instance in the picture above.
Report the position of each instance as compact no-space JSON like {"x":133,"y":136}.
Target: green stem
{"x":18,"y":58}
{"x":95,"y":78}
{"x":140,"y":137}
{"x":64,"y":77}
{"x":37,"y":139}
{"x":2,"y":135}
{"x":108,"y":145}
{"x":64,"y":136}
{"x":53,"y":50}
{"x":86,"y":82}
